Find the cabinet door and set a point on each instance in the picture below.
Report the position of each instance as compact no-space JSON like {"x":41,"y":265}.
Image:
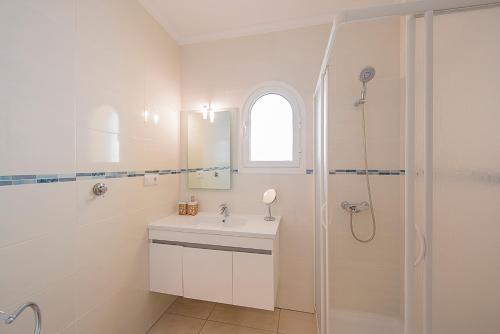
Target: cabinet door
{"x":165,"y":269}
{"x":253,"y":280}
{"x":208,"y":274}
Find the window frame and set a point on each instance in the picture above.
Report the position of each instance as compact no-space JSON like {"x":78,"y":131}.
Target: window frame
{"x":297,"y":165}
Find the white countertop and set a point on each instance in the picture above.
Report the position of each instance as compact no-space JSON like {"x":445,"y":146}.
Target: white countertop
{"x":252,"y":226}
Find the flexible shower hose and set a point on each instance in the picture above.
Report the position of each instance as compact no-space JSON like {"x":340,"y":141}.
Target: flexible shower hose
{"x":368,"y":186}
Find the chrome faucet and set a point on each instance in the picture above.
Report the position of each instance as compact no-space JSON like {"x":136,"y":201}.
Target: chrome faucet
{"x":224,"y":211}
{"x":10,"y":318}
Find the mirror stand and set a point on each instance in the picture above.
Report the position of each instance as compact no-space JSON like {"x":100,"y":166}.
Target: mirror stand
{"x":269,"y":198}
{"x":269,"y":217}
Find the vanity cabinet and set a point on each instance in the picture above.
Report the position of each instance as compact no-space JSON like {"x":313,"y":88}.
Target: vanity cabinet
{"x":207,"y":274}
{"x":254,"y":283}
{"x":165,"y":269}
{"x":238,"y":267}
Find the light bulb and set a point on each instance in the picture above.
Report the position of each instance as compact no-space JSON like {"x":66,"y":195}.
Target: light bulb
{"x":156,"y":119}
{"x":212,"y":115}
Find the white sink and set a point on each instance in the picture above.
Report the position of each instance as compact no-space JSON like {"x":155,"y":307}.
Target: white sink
{"x":209,"y":223}
{"x":220,"y":222}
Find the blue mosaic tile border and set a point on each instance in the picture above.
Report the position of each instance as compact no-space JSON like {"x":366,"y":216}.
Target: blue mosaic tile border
{"x":370,"y":172}
{"x":33,"y":179}
{"x":13,"y":180}
{"x":207,"y":169}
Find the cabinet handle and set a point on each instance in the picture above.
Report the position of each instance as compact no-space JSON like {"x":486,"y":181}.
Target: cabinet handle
{"x":214,"y":247}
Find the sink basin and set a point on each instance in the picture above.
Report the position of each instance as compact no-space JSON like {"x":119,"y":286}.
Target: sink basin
{"x":209,"y":223}
{"x":221,"y":222}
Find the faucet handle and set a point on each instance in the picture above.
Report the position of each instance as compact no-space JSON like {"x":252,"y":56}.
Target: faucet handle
{"x":223,"y":209}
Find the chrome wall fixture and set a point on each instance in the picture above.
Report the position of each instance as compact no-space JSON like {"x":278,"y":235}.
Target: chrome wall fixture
{"x":100,"y":189}
{"x":355,"y":207}
{"x":10,"y":318}
{"x":367,"y":74}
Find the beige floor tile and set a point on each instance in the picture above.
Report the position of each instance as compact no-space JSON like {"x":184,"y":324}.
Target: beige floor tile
{"x":212,"y":327}
{"x":248,"y":317}
{"x":192,"y":308}
{"x":177,"y":324}
{"x":293,"y":322}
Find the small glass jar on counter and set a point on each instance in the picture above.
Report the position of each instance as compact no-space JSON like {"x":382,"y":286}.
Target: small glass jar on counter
{"x":192,"y":208}
{"x":183,"y":208}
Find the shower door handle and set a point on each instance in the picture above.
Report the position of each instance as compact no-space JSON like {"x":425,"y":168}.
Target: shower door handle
{"x":423,"y":246}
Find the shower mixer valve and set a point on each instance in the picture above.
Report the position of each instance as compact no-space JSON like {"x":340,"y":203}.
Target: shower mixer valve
{"x":355,"y":207}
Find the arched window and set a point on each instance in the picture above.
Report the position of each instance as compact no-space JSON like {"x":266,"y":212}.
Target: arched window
{"x":272,"y":125}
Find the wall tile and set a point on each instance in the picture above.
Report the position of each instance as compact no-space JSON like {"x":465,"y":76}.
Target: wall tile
{"x":37,"y":90}
{"x":33,"y":211}
{"x":75,"y":84}
{"x":122,"y":193}
{"x":43,"y":148}
{"x":4,"y":137}
{"x":110,"y":112}
{"x":36,"y":263}
{"x":368,"y":277}
{"x":57,"y":304}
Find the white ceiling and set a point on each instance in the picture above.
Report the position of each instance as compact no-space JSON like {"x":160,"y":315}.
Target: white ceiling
{"x":192,"y":21}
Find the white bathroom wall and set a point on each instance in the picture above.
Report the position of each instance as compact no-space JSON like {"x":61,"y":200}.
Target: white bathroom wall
{"x":366,"y":278}
{"x":76,"y":78}
{"x":225,"y":73}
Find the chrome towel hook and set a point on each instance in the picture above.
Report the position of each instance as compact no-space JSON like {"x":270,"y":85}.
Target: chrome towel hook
{"x":10,"y":318}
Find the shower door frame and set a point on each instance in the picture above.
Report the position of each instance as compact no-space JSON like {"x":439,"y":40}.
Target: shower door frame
{"x":321,"y":271}
{"x":427,"y":9}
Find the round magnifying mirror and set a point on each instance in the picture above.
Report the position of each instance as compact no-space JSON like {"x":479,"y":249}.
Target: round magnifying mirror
{"x":269,"y":196}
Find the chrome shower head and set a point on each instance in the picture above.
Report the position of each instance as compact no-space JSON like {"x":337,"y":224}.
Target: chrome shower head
{"x":367,"y":74}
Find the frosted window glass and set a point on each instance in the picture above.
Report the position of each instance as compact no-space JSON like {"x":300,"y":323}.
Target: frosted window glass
{"x":271,"y":129}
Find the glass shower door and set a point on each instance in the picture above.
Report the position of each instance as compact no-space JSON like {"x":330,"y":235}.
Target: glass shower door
{"x":466,"y":240}
{"x":466,"y":187}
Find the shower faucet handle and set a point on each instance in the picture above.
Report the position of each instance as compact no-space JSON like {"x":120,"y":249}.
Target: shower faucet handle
{"x":355,"y":207}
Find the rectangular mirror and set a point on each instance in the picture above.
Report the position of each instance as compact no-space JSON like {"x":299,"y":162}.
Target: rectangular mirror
{"x":209,"y":150}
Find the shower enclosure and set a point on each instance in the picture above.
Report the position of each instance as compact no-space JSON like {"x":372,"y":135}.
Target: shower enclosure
{"x":430,"y":119}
